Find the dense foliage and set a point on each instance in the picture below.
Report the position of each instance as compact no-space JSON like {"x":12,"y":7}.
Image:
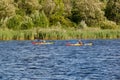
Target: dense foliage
{"x":113,"y":10}
{"x":28,"y":14}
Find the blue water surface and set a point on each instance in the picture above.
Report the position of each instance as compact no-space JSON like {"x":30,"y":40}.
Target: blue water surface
{"x":21,"y":60}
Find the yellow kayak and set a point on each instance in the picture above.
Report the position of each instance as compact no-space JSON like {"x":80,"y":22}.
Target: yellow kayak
{"x":86,"y":44}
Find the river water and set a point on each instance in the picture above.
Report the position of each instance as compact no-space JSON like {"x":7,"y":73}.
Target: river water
{"x":21,"y":60}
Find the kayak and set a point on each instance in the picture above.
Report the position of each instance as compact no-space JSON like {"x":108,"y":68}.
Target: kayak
{"x":85,"y":44}
{"x":88,"y":44}
{"x":42,"y":43}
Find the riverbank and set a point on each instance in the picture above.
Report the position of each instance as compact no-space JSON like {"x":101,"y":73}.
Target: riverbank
{"x":59,"y":34}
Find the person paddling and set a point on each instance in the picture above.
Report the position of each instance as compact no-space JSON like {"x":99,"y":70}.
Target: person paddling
{"x":80,"y":42}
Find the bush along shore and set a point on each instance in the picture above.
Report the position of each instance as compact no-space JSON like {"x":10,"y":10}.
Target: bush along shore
{"x":59,"y":19}
{"x":58,"y":34}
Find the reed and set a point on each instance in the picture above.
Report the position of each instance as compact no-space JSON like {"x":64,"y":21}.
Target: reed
{"x":16,"y":35}
{"x":58,"y":34}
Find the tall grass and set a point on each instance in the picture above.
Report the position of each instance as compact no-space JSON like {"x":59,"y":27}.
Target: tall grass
{"x":78,"y":34}
{"x":16,"y":35}
{"x":58,"y":34}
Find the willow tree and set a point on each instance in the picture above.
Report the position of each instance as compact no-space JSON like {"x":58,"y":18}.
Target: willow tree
{"x":89,"y":11}
{"x":57,"y":11}
{"x":48,"y":7}
{"x":104,"y":1}
{"x":40,"y":19}
{"x":67,"y":7}
{"x":27,"y":7}
{"x":113,"y":10}
{"x":7,"y":8}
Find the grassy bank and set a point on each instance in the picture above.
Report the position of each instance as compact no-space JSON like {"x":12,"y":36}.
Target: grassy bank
{"x":58,"y":34}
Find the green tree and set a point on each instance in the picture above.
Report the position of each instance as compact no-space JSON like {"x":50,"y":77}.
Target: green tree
{"x":14,"y":22}
{"x":89,"y":11}
{"x":67,"y":7}
{"x":112,"y":11}
{"x":7,"y":8}
{"x":18,"y":22}
{"x":104,"y":1}
{"x":40,"y":19}
{"x":58,"y":11}
{"x":27,"y":23}
{"x":28,"y":7}
{"x":48,"y":7}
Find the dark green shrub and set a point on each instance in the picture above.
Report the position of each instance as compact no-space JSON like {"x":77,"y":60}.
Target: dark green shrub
{"x":14,"y":22}
{"x":27,"y":23}
{"x":108,"y":25}
{"x":40,"y":19}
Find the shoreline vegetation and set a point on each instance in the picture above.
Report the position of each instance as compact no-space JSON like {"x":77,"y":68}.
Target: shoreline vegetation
{"x":59,"y":19}
{"x":59,"y":34}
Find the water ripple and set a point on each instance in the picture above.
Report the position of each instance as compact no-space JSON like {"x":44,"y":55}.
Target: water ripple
{"x":20,"y":60}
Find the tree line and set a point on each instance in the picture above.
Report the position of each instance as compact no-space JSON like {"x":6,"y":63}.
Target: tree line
{"x":28,"y":14}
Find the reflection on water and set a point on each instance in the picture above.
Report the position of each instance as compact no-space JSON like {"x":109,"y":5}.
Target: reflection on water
{"x":20,"y":60}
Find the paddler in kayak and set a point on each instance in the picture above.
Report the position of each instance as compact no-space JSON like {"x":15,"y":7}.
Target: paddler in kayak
{"x":39,"y":40}
{"x":42,"y":41}
{"x":80,"y":42}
